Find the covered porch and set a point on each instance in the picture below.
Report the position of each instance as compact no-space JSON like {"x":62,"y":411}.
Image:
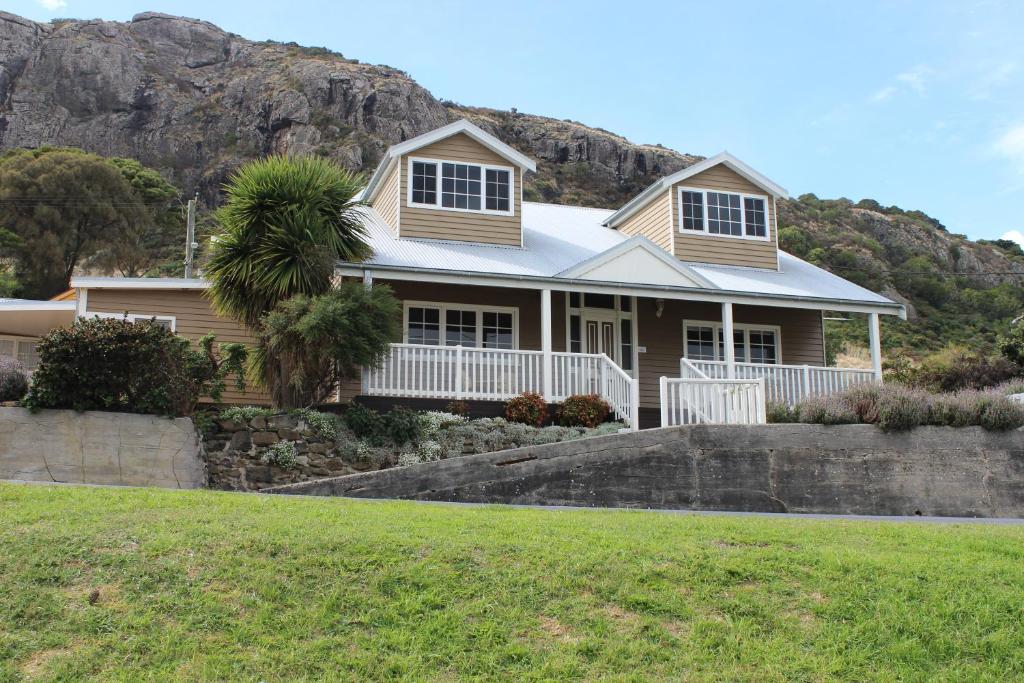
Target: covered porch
{"x":486,"y":342}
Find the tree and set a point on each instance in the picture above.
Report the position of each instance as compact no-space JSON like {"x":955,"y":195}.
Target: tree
{"x":9,"y":244}
{"x":66,"y":206}
{"x":284,"y":225}
{"x":329,"y":337}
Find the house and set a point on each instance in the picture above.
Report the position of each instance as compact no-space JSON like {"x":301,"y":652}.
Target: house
{"x":502,"y":296}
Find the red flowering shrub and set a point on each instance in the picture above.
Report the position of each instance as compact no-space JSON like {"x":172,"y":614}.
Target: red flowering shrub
{"x":587,"y":410}
{"x":528,"y":408}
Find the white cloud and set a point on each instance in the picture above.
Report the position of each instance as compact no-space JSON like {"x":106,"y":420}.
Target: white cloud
{"x":915,"y":78}
{"x":1010,"y":145}
{"x":53,"y":5}
{"x":883,"y":94}
{"x":1015,"y":235}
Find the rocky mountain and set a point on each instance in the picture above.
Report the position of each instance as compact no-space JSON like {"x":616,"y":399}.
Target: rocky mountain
{"x":193,"y":101}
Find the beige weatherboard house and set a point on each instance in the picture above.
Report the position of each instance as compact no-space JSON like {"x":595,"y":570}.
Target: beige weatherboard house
{"x":677,"y":307}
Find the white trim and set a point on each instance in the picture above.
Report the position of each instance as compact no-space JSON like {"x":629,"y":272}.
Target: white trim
{"x":133,"y":317}
{"x":774,"y":227}
{"x":32,"y":305}
{"x":746,"y":328}
{"x":461,"y":126}
{"x":444,"y":306}
{"x":616,"y":315}
{"x":81,"y":302}
{"x":641,"y":200}
{"x":137,"y":283}
{"x":440,"y":276}
{"x":483,"y":186}
{"x":582,"y":268}
{"x":743,"y":215}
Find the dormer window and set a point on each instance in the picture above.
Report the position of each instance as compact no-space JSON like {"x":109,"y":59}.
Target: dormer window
{"x":723,"y":214}
{"x":463,"y":187}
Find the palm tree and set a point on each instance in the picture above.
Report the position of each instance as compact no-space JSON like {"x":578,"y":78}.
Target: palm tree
{"x":286,"y":222}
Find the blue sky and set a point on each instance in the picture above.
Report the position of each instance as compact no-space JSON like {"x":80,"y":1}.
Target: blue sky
{"x":914,"y":103}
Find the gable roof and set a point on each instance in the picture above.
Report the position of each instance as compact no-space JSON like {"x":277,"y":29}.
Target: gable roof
{"x":461,"y":126}
{"x":640,"y":261}
{"x":724,"y":158}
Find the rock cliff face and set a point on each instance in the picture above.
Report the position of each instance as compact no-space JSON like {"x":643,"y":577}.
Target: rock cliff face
{"x":193,"y":101}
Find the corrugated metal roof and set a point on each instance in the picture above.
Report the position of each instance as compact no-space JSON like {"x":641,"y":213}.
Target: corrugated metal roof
{"x":556,"y":238}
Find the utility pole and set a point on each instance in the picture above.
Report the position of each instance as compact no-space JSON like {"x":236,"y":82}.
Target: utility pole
{"x":190,"y":236}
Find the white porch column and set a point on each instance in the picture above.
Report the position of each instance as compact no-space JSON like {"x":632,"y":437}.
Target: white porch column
{"x":368,"y":279}
{"x":875,"y":336}
{"x":545,"y":341}
{"x":727,"y":334}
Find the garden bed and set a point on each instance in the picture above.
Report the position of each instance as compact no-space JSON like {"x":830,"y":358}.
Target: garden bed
{"x":251,"y":448}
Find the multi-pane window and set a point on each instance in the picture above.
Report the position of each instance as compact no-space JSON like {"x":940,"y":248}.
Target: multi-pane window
{"x":723,"y":213}
{"x":725,"y":216}
{"x":424,"y":326}
{"x":459,"y":328}
{"x":626,"y":342}
{"x":424,"y":182}
{"x":754,"y":217}
{"x":22,"y":350}
{"x":575,"y":335}
{"x":693,"y":210}
{"x":751,"y":343}
{"x":498,"y":330}
{"x":460,"y":186}
{"x":498,"y":190}
{"x":460,"y":325}
{"x":763,"y":347}
{"x":700,"y":343}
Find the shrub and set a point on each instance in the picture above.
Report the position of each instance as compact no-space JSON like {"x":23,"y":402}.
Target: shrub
{"x":1002,"y":414}
{"x":244,"y":413}
{"x":584,"y":410}
{"x":324,"y":424}
{"x":955,"y":368}
{"x":826,"y":410}
{"x":431,"y":423}
{"x":779,"y":412}
{"x":901,"y":409}
{"x":364,"y":422}
{"x":13,"y":380}
{"x":281,"y":454}
{"x":529,"y":408}
{"x":863,"y":401}
{"x":1011,"y":344}
{"x":402,"y":425}
{"x":960,"y":409}
{"x":112,"y":364}
{"x":457,"y":408}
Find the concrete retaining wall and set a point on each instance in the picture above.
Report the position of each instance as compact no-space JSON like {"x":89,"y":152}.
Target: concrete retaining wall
{"x":854,"y":469}
{"x":99,"y":448}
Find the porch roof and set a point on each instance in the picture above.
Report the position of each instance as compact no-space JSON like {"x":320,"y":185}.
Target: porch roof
{"x":557,"y":239}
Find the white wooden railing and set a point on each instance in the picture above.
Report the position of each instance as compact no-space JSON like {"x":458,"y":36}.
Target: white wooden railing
{"x":687,"y":401}
{"x":463,"y":373}
{"x":788,"y":384}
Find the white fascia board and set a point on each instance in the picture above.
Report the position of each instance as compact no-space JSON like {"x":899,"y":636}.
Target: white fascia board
{"x":29,"y":305}
{"x":638,"y":202}
{"x":660,"y":292}
{"x":637,"y":241}
{"x":461,"y":126}
{"x":137,"y":283}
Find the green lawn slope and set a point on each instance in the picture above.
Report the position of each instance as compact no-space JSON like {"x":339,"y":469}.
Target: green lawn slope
{"x":110,"y":584}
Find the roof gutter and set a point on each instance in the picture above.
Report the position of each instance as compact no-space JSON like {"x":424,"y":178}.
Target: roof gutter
{"x":656,"y":291}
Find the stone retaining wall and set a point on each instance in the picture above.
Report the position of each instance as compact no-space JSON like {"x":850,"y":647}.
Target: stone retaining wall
{"x":99,"y":448}
{"x":853,"y":469}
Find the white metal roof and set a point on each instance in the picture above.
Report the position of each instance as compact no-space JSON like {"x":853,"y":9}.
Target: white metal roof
{"x":556,"y":238}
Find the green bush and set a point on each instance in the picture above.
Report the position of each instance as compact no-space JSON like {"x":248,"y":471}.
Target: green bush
{"x":779,"y":412}
{"x":324,"y":424}
{"x":1011,"y":344}
{"x":584,"y":410}
{"x":956,"y":368}
{"x":402,"y":425}
{"x":13,"y":380}
{"x":826,"y":410}
{"x":134,"y":367}
{"x":281,"y":454}
{"x":365,"y":423}
{"x":529,"y":409}
{"x":244,"y":413}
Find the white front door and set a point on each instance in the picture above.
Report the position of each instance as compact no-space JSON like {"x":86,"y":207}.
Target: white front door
{"x":599,"y":334}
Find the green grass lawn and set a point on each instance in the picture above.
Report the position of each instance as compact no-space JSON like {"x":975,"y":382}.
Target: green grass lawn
{"x":161,"y":585}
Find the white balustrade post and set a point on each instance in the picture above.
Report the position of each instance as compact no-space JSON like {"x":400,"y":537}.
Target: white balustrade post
{"x":458,"y":371}
{"x":545,"y":341}
{"x":807,"y":382}
{"x":727,"y":342}
{"x":634,"y":404}
{"x":663,"y":397}
{"x":875,"y":335}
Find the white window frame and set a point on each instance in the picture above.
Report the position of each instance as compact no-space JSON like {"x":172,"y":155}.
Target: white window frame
{"x":134,"y":317}
{"x":483,"y":186}
{"x":743,"y":214}
{"x":444,"y":307}
{"x":746,"y":328}
{"x":16,"y":347}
